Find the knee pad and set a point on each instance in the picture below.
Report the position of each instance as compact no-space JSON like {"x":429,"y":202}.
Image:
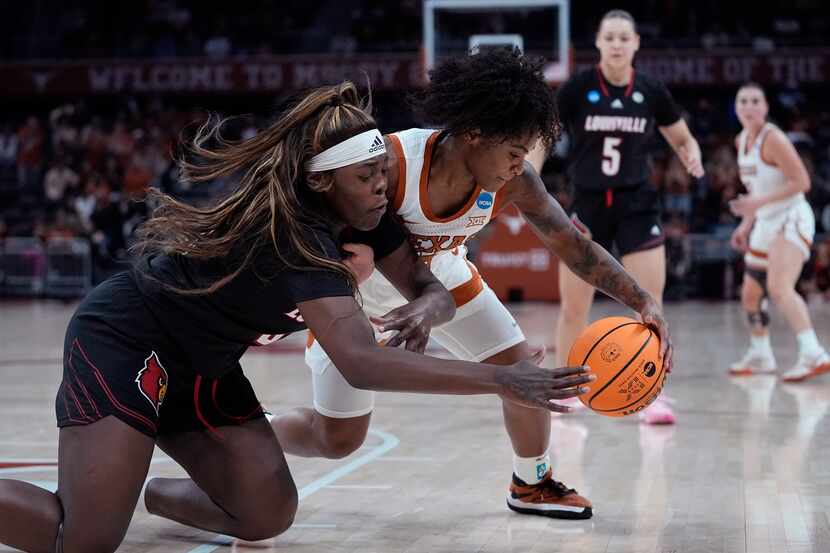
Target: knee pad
{"x":761,"y":317}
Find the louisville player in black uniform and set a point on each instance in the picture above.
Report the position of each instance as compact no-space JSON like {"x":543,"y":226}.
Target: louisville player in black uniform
{"x":609,"y":112}
{"x":492,"y":107}
{"x":152,"y":355}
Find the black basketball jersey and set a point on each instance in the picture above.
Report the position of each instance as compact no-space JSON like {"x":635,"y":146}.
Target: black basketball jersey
{"x":259,"y":306}
{"x":610,"y":126}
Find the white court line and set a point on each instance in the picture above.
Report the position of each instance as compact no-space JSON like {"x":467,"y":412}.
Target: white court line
{"x":52,"y":467}
{"x":17,"y":443}
{"x":44,"y":460}
{"x":389,"y":442}
{"x":357,"y":487}
{"x":41,"y":468}
{"x":411,"y":459}
{"x":27,"y":459}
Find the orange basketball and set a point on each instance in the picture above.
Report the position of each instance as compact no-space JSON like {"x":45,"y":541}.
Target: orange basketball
{"x":624,"y":354}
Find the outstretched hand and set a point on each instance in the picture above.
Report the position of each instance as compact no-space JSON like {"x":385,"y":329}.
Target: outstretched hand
{"x":413,"y":323}
{"x":528,"y":384}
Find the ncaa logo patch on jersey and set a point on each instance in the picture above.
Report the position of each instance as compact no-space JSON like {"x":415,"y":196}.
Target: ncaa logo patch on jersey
{"x":638,"y":97}
{"x":593,"y":96}
{"x":485,"y":200}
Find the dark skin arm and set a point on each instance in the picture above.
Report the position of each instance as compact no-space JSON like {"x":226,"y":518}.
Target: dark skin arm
{"x":587,"y":259}
{"x":346,"y":335}
{"x":429,"y":302}
{"x":392,"y":169}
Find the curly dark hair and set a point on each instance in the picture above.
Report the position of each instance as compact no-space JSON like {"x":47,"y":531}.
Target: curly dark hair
{"x":499,"y":92}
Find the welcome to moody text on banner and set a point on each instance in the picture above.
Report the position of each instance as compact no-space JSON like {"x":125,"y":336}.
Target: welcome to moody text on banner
{"x":198,"y":76}
{"x":680,"y":68}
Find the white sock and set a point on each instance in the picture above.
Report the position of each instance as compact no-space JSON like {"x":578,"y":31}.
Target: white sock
{"x":808,"y":342}
{"x":760,"y":343}
{"x":531,"y":469}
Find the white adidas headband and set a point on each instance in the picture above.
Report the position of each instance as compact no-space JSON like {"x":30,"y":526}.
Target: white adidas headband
{"x":361,"y":147}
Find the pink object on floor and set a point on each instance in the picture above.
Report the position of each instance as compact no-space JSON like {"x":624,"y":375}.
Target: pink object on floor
{"x":659,"y":412}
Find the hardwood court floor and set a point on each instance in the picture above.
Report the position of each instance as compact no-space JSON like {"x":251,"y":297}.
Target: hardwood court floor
{"x":746,"y":469}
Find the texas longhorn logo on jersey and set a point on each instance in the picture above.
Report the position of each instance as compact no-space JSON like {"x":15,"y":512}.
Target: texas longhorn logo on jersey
{"x":152,"y":381}
{"x":427,"y":246}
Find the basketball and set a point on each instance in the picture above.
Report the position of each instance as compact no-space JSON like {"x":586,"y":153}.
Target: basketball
{"x":624,"y":354}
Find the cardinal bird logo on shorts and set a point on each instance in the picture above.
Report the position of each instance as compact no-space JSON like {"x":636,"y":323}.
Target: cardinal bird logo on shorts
{"x":152,"y":381}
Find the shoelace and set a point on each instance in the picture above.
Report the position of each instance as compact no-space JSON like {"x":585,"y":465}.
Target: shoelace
{"x":559,"y":488}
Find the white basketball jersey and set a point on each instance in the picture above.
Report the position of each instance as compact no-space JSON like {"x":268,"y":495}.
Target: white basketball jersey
{"x":761,"y":178}
{"x":438,"y":241}
{"x":432,"y":235}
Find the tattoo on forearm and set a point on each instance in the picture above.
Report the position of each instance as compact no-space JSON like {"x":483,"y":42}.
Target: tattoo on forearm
{"x":547,"y":223}
{"x":596,"y":266}
{"x":587,"y":259}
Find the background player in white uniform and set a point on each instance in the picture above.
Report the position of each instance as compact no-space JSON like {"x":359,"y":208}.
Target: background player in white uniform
{"x":444,"y":186}
{"x":776,"y":233}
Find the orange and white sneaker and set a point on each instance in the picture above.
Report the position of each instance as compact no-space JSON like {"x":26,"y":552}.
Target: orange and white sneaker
{"x":808,"y":366}
{"x":754,"y":362}
{"x":548,"y":498}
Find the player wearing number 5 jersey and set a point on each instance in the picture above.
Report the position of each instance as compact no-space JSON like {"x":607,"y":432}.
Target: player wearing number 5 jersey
{"x":610,"y":111}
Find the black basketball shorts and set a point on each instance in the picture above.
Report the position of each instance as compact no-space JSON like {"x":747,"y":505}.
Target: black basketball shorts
{"x":116,"y":362}
{"x":627,"y":218}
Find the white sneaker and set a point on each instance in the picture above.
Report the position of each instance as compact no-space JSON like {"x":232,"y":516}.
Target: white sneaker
{"x":808,"y":366}
{"x":754,"y":361}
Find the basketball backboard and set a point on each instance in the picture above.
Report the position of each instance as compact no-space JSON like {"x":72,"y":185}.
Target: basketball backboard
{"x":536,"y":27}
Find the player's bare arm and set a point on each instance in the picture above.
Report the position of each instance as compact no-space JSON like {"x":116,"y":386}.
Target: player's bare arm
{"x":430,"y":303}
{"x":781,"y":153}
{"x":392,"y":169}
{"x":685,"y":146}
{"x":344,"y":332}
{"x":587,"y":259}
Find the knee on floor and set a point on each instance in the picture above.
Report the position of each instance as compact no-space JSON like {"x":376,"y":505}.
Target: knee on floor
{"x":267,"y":522}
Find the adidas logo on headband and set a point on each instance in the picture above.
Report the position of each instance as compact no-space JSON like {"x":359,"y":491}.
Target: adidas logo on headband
{"x":377,"y":145}
{"x":361,"y":147}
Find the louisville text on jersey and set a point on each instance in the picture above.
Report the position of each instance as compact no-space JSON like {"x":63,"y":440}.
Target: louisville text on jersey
{"x":614,"y":123}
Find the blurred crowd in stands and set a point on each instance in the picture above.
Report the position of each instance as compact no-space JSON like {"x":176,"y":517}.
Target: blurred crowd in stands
{"x":167,"y":28}
{"x":81,"y":168}
{"x":75,"y":171}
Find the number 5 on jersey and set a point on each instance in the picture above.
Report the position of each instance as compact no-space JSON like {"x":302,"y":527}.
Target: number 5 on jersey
{"x":611,"y":155}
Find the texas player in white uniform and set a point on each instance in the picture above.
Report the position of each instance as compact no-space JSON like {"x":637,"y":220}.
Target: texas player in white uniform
{"x":445,"y":186}
{"x":775,"y":234}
